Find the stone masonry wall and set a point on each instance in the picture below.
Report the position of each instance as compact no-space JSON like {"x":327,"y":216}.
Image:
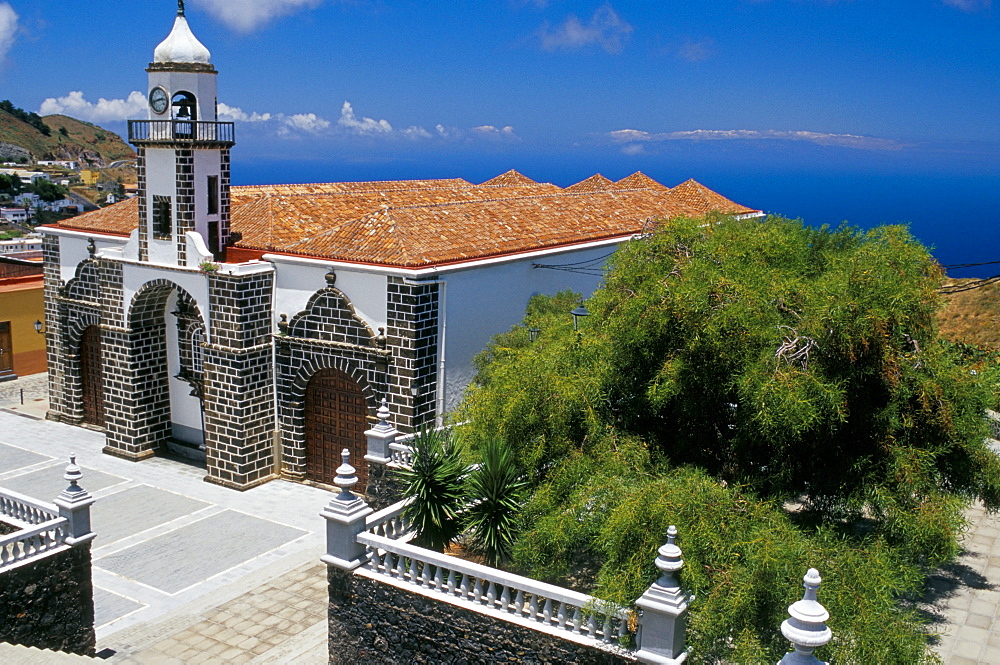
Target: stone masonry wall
{"x":372,"y":622}
{"x":49,"y":603}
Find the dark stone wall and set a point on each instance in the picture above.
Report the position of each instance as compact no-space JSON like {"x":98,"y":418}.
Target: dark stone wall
{"x":377,"y":623}
{"x":49,"y":603}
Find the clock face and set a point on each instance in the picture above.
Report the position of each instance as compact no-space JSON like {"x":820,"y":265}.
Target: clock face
{"x":158,"y":100}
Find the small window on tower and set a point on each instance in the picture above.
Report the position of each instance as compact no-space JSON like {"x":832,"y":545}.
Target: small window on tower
{"x":213,"y":195}
{"x":162,"y":222}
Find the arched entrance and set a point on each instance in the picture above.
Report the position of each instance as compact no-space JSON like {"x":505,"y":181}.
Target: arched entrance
{"x":335,"y":418}
{"x":91,"y":376}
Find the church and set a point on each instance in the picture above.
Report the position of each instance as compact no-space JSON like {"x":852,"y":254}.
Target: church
{"x":258,"y":329}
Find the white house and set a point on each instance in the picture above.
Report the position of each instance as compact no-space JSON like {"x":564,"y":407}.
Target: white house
{"x":260,"y":327}
{"x":14,"y":215}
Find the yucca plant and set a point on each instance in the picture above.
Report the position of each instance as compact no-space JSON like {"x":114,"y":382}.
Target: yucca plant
{"x":495,"y":490}
{"x":434,"y":481}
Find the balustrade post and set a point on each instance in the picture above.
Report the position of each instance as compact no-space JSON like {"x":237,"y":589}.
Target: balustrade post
{"x":380,"y":437}
{"x":805,"y":626}
{"x":664,"y":610}
{"x":345,"y":519}
{"x":74,"y":504}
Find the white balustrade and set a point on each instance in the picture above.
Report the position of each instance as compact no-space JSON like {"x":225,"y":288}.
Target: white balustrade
{"x":471,"y":583}
{"x":402,"y":453}
{"x":25,"y":509}
{"x":389,"y":522}
{"x":30,"y":542}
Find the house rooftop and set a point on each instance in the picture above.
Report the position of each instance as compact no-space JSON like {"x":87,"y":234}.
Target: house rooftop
{"x":422,"y":223}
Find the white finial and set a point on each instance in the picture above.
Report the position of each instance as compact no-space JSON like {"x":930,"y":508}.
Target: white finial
{"x":669,"y":560}
{"x":346,"y":477}
{"x":806,"y":626}
{"x":73,"y":475}
{"x":383,"y":414}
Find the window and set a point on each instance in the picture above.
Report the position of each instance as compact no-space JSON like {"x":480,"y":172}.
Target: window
{"x":197,"y":351}
{"x":162,"y":217}
{"x":213,"y":195}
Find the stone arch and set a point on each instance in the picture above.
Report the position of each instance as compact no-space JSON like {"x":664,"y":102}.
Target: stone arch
{"x":330,"y":316}
{"x":86,"y":283}
{"x":141,"y":423}
{"x":75,"y":324}
{"x":293,"y":405}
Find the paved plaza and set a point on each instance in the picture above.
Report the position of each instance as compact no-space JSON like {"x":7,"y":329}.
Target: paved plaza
{"x":184,"y":571}
{"x":190,"y":572}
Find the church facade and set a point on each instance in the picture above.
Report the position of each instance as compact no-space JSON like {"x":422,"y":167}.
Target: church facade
{"x":259,"y":328}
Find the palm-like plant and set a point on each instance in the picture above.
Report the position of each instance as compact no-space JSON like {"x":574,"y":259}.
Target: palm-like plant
{"x":434,"y":482}
{"x":495,"y":490}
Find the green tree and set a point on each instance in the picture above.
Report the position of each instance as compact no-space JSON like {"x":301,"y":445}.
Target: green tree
{"x":787,"y":365}
{"x":48,"y":190}
{"x":10,"y":184}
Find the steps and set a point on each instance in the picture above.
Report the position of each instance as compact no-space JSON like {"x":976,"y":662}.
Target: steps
{"x":15,"y":654}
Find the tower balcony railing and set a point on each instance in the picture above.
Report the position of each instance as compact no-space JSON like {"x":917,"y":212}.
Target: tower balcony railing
{"x":184,"y":131}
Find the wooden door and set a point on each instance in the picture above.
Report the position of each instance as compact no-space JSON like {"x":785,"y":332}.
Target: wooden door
{"x":6,"y":349}
{"x":92,"y":376}
{"x":335,"y":419}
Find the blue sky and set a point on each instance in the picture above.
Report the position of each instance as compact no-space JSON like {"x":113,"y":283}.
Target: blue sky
{"x":741,"y":94}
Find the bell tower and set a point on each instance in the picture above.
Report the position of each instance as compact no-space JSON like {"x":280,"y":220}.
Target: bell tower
{"x":183,"y":153}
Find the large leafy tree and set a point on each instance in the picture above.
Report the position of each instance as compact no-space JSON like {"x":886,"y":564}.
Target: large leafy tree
{"x":800,"y":367}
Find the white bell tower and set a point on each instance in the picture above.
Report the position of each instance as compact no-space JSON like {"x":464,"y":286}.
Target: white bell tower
{"x":184,"y":153}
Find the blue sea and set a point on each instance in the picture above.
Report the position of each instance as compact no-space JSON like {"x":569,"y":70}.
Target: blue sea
{"x":949,"y":204}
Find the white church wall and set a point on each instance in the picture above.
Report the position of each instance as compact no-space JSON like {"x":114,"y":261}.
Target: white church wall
{"x":297,"y":280}
{"x":206,"y":163}
{"x":193,"y":281}
{"x":161,"y":178}
{"x":486,"y":300}
{"x":185,"y":410}
{"x":73,"y":248}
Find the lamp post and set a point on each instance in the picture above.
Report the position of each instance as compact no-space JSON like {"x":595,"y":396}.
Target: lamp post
{"x":39,"y":327}
{"x":578,"y":313}
{"x":533,"y":333}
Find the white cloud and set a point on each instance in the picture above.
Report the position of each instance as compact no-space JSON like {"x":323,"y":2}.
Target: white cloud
{"x":104,"y":110}
{"x":491,"y":132}
{"x":249,"y":15}
{"x":635,"y":136}
{"x":235,"y":114}
{"x":416,"y":133}
{"x":605,"y":29}
{"x":309,"y":123}
{"x":8,"y":28}
{"x":969,"y":5}
{"x":363,"y":126}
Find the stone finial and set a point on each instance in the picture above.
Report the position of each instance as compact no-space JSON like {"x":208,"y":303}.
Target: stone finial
{"x":283,"y":324}
{"x":663,"y":623}
{"x":74,"y":505}
{"x":91,"y":248}
{"x":73,"y":475}
{"x":381,"y":436}
{"x":180,"y":7}
{"x":345,"y":519}
{"x":346,"y":477}
{"x":806,"y":626}
{"x":331,"y":279}
{"x":380,"y":339}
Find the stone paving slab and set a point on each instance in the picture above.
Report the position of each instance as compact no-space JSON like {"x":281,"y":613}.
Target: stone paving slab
{"x":191,"y":554}
{"x":115,"y":517}
{"x":110,"y":607}
{"x":12,"y":458}
{"x":46,"y":484}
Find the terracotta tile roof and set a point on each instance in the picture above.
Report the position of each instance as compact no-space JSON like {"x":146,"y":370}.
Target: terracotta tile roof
{"x":640,"y":180}
{"x":511,"y":177}
{"x":117,"y":219}
{"x":421,"y":223}
{"x":594,"y":183}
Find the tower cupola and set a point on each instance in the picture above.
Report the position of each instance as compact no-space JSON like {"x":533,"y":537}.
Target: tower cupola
{"x":181,"y":45}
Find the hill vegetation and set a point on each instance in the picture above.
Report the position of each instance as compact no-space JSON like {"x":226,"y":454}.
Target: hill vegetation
{"x":23,"y":137}
{"x":973,"y":316}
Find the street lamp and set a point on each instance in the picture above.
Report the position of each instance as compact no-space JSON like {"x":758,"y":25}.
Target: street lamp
{"x":578,"y":313}
{"x":533,"y":333}
{"x":39,"y":327}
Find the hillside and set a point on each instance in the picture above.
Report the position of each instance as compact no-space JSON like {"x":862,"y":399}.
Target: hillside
{"x":972,"y":316}
{"x":69,"y":140}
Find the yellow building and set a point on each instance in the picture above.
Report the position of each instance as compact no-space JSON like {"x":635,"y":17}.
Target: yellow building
{"x":22,"y":348}
{"x":89,"y":177}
